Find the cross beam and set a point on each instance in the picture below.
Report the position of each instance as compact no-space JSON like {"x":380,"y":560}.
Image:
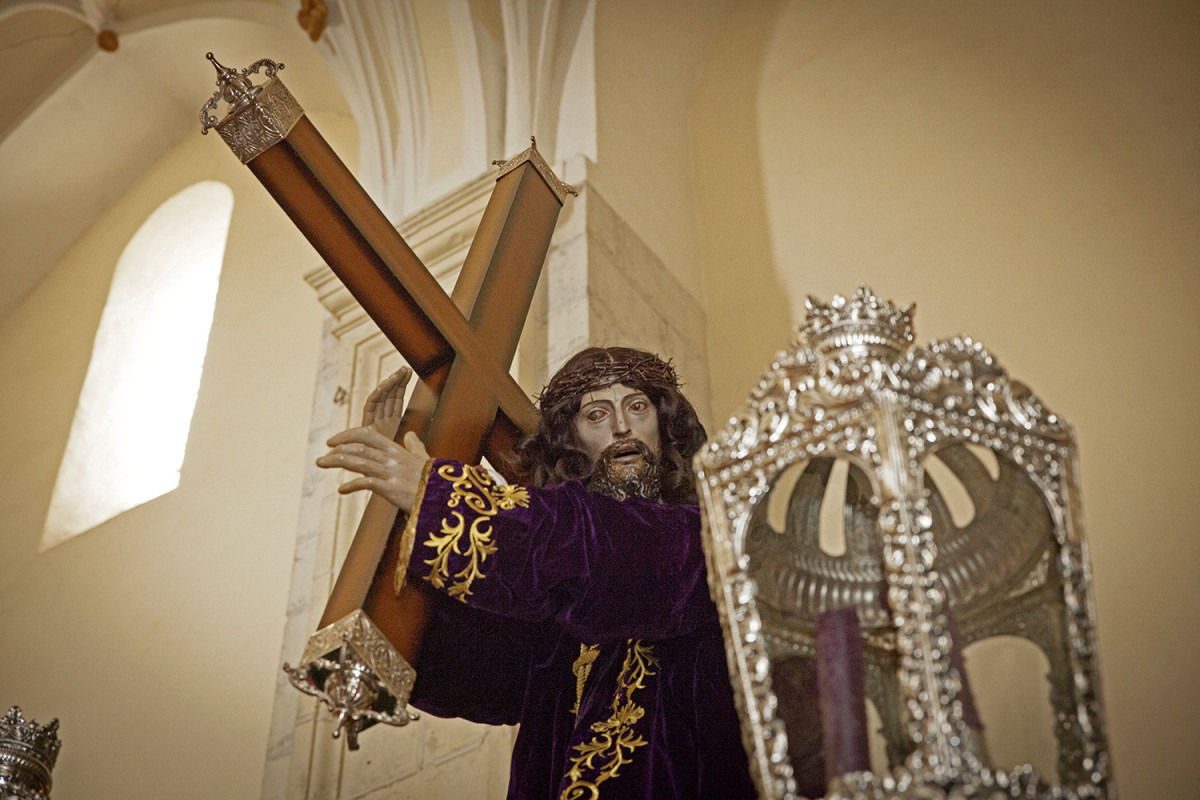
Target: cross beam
{"x":461,"y":346}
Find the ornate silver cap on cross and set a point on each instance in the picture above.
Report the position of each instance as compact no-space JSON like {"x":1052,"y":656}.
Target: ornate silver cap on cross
{"x":258,"y":117}
{"x":352,"y":668}
{"x":531,"y":154}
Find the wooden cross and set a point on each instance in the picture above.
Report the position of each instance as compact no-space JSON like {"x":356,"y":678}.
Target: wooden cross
{"x":461,"y":346}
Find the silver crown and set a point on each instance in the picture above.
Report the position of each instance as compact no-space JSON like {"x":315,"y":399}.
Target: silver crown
{"x":28,"y":752}
{"x":863,"y":322}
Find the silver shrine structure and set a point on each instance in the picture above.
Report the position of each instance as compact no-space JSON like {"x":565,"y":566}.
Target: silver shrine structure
{"x":28,"y":752}
{"x":854,"y":388}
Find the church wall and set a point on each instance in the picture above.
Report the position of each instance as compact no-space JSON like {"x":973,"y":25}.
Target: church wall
{"x":155,"y":637}
{"x":647,"y":57}
{"x":445,"y":92}
{"x":747,"y":305}
{"x":1028,"y":174}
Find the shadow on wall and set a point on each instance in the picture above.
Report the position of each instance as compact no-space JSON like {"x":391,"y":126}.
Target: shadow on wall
{"x":748,"y":313}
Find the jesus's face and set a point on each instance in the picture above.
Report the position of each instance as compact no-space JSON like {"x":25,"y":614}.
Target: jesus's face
{"x":618,"y":429}
{"x":615,"y":415}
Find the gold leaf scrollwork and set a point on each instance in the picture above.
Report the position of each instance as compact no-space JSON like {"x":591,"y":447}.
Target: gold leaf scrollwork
{"x":474,"y":489}
{"x":604,"y":754}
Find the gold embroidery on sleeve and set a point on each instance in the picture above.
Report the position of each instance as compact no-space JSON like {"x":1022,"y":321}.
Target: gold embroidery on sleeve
{"x":603,"y":756}
{"x":474,"y":489}
{"x":409,"y":536}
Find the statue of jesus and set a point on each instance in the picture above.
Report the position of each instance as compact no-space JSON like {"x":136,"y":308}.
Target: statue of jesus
{"x":576,"y":606}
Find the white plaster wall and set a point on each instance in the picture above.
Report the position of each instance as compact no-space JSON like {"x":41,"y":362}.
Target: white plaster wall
{"x":155,"y":637}
{"x":1028,"y":173}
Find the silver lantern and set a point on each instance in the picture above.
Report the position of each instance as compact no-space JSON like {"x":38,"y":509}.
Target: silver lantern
{"x":917,"y":583}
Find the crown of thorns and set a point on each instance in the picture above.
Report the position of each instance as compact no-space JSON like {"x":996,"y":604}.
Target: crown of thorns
{"x":646,"y":369}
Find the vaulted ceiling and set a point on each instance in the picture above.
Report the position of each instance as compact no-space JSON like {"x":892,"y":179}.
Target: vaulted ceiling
{"x":79,"y":124}
{"x":96,"y":91}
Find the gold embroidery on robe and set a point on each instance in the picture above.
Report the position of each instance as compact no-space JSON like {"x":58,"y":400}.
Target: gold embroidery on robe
{"x":582,"y":668}
{"x":603,"y":756}
{"x":473,"y":488}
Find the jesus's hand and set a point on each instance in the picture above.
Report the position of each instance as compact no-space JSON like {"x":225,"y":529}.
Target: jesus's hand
{"x":385,"y":405}
{"x":392,"y":470}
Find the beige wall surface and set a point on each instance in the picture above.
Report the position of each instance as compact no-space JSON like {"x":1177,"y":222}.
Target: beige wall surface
{"x":155,"y":637}
{"x":648,"y":56}
{"x":1029,"y":174}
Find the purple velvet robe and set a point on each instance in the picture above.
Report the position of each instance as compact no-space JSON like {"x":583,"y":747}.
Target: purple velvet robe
{"x":530,"y":575}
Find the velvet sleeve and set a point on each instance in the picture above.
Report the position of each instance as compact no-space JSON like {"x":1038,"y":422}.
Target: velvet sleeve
{"x":473,"y":665}
{"x":598,"y":568}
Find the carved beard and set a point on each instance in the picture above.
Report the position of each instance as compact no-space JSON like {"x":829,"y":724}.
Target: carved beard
{"x":619,"y":480}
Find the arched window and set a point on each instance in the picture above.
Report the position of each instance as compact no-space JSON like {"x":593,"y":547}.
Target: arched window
{"x":131,"y":425}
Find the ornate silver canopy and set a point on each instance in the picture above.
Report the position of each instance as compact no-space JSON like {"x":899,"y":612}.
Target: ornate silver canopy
{"x":908,"y":424}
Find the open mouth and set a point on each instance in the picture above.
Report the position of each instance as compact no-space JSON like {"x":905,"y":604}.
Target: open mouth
{"x":625,"y":452}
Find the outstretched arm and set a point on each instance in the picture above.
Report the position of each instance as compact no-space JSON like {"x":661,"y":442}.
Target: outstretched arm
{"x":600,"y":568}
{"x":390,"y":469}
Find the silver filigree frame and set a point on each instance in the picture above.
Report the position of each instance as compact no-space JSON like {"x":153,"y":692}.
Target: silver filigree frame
{"x":864,"y":393}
